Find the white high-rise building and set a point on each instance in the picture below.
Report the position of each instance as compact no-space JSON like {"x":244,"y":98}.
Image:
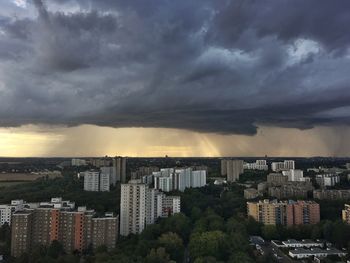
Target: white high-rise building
{"x":277,"y":166}
{"x":283,"y":166}
{"x":111,"y":172}
{"x":258,"y":165}
{"x":294,"y":175}
{"x":6,"y":211}
{"x":198,"y":178}
{"x":104,"y":182}
{"x":96,"y":181}
{"x":170,"y":179}
{"x":133,"y":207}
{"x":170,"y":205}
{"x":91,"y":181}
{"x":289,"y":165}
{"x":164,"y":183}
{"x":141,"y":206}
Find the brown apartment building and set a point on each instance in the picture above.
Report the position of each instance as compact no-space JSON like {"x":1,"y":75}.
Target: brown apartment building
{"x":287,"y":213}
{"x":75,"y":230}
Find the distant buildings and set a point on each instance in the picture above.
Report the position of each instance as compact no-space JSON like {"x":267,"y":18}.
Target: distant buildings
{"x":346,"y":213}
{"x":294,"y":175}
{"x":276,"y":179}
{"x":301,"y":253}
{"x":170,"y":179}
{"x":287,"y":213}
{"x":141,"y":205}
{"x":331,"y":194}
{"x":251,"y":193}
{"x":291,"y":190}
{"x":143,"y":171}
{"x":290,"y":184}
{"x":78,"y":162}
{"x":6,"y":211}
{"x":119,"y":164}
{"x":258,"y":165}
{"x":100,"y":162}
{"x":324,"y":180}
{"x":281,"y":166}
{"x":76,"y":230}
{"x":232,"y":169}
{"x":96,"y":181}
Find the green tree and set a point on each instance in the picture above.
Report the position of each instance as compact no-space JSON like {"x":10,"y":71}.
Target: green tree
{"x":205,"y":244}
{"x":158,"y":255}
{"x":270,"y":232}
{"x":173,"y":245}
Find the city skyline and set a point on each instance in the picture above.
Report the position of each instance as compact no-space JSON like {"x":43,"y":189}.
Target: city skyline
{"x":180,"y":78}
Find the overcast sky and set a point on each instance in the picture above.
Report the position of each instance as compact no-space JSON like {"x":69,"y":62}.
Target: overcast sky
{"x":220,"y":71}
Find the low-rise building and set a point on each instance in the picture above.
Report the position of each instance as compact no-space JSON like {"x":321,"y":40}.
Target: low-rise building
{"x":251,"y":193}
{"x":292,"y":243}
{"x":300,"y":253}
{"x":331,"y":194}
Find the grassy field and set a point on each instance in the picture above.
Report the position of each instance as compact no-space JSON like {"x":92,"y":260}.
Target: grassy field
{"x":7,"y":184}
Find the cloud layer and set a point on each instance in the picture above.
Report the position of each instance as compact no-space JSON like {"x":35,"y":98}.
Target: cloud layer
{"x":208,"y":66}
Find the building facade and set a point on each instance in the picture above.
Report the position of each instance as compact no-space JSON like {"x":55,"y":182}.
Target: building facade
{"x":346,"y":213}
{"x":287,"y":213}
{"x":91,"y":181}
{"x":141,"y":206}
{"x":76,"y":230}
{"x":234,"y":170}
{"x":119,"y":163}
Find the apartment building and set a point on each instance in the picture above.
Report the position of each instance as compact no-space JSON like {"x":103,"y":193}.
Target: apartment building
{"x":6,"y":211}
{"x":232,"y":169}
{"x":331,"y":194}
{"x":258,"y":165}
{"x":276,"y":179}
{"x":178,"y":179}
{"x":119,"y":164}
{"x":96,"y":181}
{"x":291,"y":190}
{"x":91,"y":181}
{"x":326,"y":180}
{"x":282,"y":166}
{"x":285,"y":213}
{"x":141,"y":205}
{"x":76,"y":230}
{"x":346,"y":213}
{"x":143,"y":171}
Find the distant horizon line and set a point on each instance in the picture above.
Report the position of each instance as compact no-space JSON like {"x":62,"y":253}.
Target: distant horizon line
{"x":177,"y":157}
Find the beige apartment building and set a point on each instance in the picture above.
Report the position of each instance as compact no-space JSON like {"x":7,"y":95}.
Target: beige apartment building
{"x":284,"y":213}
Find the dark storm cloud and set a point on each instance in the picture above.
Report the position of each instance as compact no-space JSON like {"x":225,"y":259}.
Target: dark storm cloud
{"x":209,"y":66}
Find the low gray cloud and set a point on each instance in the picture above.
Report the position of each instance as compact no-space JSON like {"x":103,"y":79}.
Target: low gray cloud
{"x":209,"y":66}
